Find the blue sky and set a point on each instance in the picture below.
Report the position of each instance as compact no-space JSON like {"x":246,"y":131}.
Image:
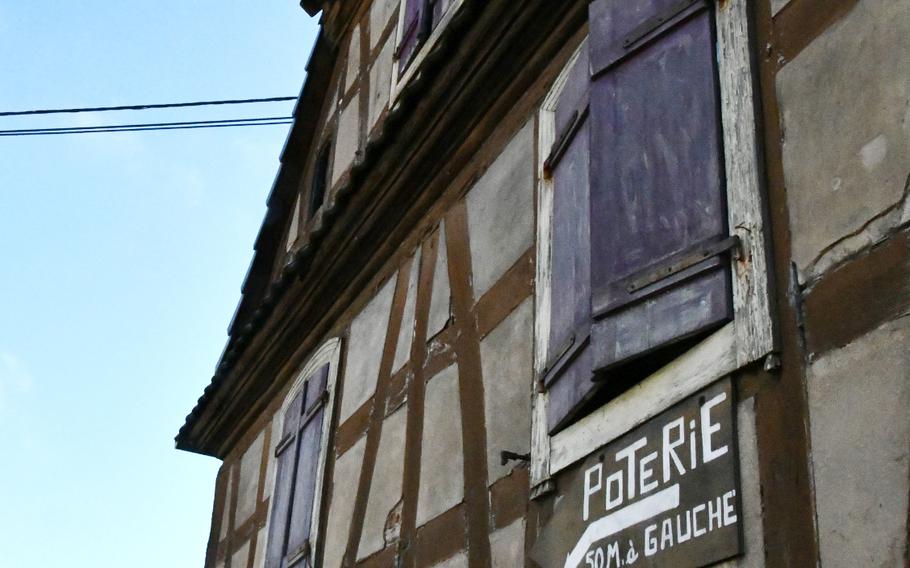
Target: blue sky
{"x":121,"y":257}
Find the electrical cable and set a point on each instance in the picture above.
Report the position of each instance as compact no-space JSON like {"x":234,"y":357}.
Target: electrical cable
{"x":147,"y":106}
{"x":152,"y":126}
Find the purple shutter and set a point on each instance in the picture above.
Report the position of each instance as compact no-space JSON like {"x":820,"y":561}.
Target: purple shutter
{"x":298,"y":545}
{"x":286,"y":456}
{"x":414,"y":31}
{"x":567,"y":376}
{"x":295,"y":482}
{"x":658,"y":211}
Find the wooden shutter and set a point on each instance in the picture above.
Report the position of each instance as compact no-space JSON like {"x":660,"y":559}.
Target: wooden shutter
{"x":310,"y":434}
{"x":286,"y":456}
{"x":415,"y":29}
{"x":295,"y":492}
{"x":658,"y":211}
{"x":567,"y":376}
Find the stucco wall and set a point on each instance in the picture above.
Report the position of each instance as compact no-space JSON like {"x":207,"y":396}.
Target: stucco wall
{"x":845,"y":118}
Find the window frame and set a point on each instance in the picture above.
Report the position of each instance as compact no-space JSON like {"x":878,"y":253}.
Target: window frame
{"x":329,"y":352}
{"x":748,"y":338}
{"x":421,"y":50}
{"x":294,"y":228}
{"x":320,"y":179}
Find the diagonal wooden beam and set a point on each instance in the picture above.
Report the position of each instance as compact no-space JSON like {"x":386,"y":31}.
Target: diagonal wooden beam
{"x":377,"y":414}
{"x":416,"y":391}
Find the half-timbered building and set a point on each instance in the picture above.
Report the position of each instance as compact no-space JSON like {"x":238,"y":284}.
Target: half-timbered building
{"x":577,"y":283}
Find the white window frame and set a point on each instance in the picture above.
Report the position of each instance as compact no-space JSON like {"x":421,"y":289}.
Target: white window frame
{"x":422,"y":50}
{"x":748,"y":338}
{"x":329,"y":352}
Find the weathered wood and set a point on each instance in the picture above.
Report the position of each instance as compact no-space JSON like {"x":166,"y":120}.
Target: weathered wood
{"x":568,"y":374}
{"x":708,"y":361}
{"x":657,"y":188}
{"x":786,"y":477}
{"x":416,"y":394}
{"x":859,"y":296}
{"x":470,"y":387}
{"x":745,"y":207}
{"x":546,"y":137}
{"x":377,"y":413}
{"x":323,"y":367}
{"x":604,"y":507}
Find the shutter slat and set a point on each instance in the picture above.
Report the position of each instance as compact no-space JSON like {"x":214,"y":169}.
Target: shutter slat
{"x":286,"y":456}
{"x":316,"y":386}
{"x":295,"y":484}
{"x":298,"y":542}
{"x":657,"y":180}
{"x":621,"y":31}
{"x":305,"y":485}
{"x":568,"y":374}
{"x":278,"y":522}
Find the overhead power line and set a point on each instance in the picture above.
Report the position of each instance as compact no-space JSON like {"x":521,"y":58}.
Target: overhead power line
{"x":147,"y":107}
{"x":150,"y":126}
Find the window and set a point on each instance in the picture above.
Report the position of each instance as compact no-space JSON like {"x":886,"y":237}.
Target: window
{"x":294,"y":227}
{"x":649,"y":138}
{"x":419,"y":22}
{"x":320,"y":180}
{"x":300,"y":457}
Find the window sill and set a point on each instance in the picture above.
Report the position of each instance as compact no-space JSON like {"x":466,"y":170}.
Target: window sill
{"x":713,"y":358}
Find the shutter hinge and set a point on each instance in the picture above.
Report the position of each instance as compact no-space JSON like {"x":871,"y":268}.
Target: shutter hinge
{"x":566,"y":353}
{"x":703,"y":252}
{"x":300,"y":554}
{"x":562,"y":142}
{"x":651,"y":24}
{"x":323,"y":398}
{"x":284,"y":443}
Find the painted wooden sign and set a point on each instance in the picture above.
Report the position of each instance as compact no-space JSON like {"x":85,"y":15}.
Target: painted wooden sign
{"x":665,"y":494}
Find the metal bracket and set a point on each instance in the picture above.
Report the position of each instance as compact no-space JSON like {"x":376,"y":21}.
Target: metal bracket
{"x":703,"y":252}
{"x":301,"y":554}
{"x":772,"y":363}
{"x":284,"y":443}
{"x":565,"y":137}
{"x":567,"y":352}
{"x":323,"y":398}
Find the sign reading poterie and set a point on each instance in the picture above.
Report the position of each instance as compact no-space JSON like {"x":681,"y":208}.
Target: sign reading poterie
{"x":664,"y":494}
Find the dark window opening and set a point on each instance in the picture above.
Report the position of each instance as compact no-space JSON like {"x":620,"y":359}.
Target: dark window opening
{"x":320,"y":181}
{"x":420,"y":19}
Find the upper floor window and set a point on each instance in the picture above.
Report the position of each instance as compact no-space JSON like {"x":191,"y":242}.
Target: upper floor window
{"x":651,"y":214}
{"x":300,"y":453}
{"x":640,"y":241}
{"x":320,"y":181}
{"x":419,"y":22}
